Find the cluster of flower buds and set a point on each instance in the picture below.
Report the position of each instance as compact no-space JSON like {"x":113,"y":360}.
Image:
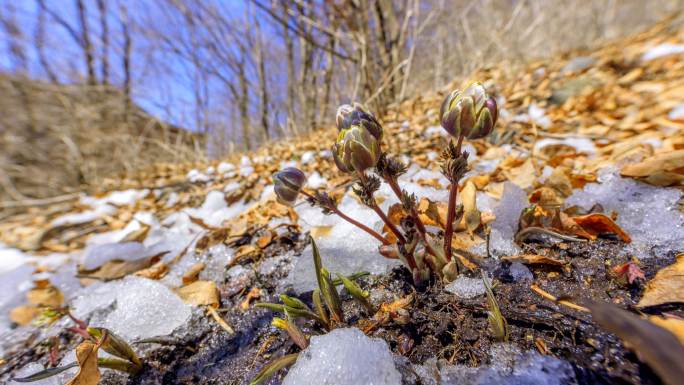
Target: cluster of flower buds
{"x":470,"y":113}
{"x":287,"y":184}
{"x":358,"y":143}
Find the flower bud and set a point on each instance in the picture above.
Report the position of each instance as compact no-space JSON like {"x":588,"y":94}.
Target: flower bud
{"x":288,"y":182}
{"x":357,"y":115}
{"x":356,"y":149}
{"x":470,"y":113}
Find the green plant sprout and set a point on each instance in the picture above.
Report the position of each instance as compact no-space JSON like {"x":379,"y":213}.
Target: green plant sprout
{"x":464,"y":114}
{"x":327,"y":311}
{"x":127,"y":361}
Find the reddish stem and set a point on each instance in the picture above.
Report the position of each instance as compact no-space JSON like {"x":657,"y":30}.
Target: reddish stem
{"x":374,"y":205}
{"x":353,"y":222}
{"x":451,"y":211}
{"x":392,"y":181}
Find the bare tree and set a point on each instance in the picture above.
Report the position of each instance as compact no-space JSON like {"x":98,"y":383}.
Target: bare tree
{"x":85,"y":42}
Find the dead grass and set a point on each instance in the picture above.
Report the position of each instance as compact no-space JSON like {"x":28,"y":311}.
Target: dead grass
{"x":57,"y":139}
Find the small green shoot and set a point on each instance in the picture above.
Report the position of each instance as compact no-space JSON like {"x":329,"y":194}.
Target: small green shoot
{"x":497,"y":322}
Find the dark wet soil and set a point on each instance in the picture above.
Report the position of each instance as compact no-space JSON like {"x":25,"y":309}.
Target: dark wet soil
{"x":441,"y":325}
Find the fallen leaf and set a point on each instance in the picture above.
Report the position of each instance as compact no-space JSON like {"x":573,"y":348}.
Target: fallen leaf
{"x":432,"y":213}
{"x":156,"y":271}
{"x":88,"y":373}
{"x":654,"y":345}
{"x":118,"y":269}
{"x":667,"y":285}
{"x":597,"y":224}
{"x":630,"y":272}
{"x":200,"y":293}
{"x":254,"y":293}
{"x":320,"y":231}
{"x":524,"y":175}
{"x":193,"y":272}
{"x":265,"y":239}
{"x":674,"y":325}
{"x":23,"y":315}
{"x":49,"y":296}
{"x":661,"y":162}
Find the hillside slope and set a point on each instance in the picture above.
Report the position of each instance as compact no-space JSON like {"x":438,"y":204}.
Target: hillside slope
{"x":591,"y":142}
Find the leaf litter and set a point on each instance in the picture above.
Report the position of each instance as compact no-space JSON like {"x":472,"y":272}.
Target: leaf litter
{"x":579,"y":190}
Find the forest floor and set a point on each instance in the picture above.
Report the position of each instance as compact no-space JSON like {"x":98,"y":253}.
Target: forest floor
{"x":579,"y":228}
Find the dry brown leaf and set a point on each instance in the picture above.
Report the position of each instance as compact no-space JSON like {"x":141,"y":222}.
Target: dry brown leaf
{"x":49,"y":296}
{"x":534,"y":259}
{"x":674,"y":325}
{"x":88,"y":373}
{"x":265,"y":239}
{"x":432,"y":213}
{"x":193,"y":272}
{"x":138,"y":235}
{"x":524,"y":175}
{"x":118,"y":269}
{"x":23,"y":315}
{"x":200,"y":293}
{"x":471,"y":215}
{"x":667,"y":161}
{"x":433,"y":182}
{"x":596,"y":224}
{"x":156,"y":271}
{"x":254,"y":293}
{"x":667,"y":285}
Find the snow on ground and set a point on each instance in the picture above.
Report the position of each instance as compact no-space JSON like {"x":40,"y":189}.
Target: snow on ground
{"x":508,"y":366}
{"x":504,"y":227}
{"x":647,"y":213}
{"x":134,"y":307}
{"x":342,"y":357}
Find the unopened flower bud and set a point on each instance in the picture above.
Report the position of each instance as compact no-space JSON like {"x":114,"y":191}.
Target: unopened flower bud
{"x":357,"y":115}
{"x":471,"y":113}
{"x":288,"y":182}
{"x":358,"y":143}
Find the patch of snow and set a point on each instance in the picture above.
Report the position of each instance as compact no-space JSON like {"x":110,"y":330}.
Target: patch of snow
{"x":465,"y":287}
{"x":215,"y":210}
{"x":245,"y":161}
{"x":246,"y":170}
{"x":316,"y":181}
{"x":434,"y":130}
{"x":96,"y":256}
{"x":13,"y":284}
{"x":649,"y":214}
{"x":578,"y":64}
{"x":232,"y":186}
{"x":505,"y":225}
{"x":172,"y":199}
{"x":115,"y":235}
{"x":520,"y":272}
{"x":210,"y":170}
{"x":343,"y":357}
{"x":534,"y":114}
{"x":308,"y":157}
{"x":508,"y":366}
{"x":677,"y":113}
{"x":10,"y":258}
{"x":225,"y":167}
{"x":286,"y":164}
{"x":325,"y":154}
{"x":580,"y":144}
{"x":142,"y":308}
{"x":346,"y":249}
{"x":663,"y":50}
{"x":116,"y":198}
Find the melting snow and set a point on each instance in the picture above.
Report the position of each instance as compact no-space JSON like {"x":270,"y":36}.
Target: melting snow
{"x":647,"y":213}
{"x":142,"y":308}
{"x":581,"y":145}
{"x":662,"y":50}
{"x":97,"y":256}
{"x":343,"y":357}
{"x":505,"y":225}
{"x":465,"y":287}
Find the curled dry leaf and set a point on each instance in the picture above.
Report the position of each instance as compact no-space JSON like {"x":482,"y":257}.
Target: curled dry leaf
{"x":49,"y":296}
{"x":663,"y":169}
{"x":193,"y":272}
{"x":88,"y":373}
{"x":597,"y":224}
{"x":667,"y":286}
{"x":674,"y":325}
{"x":200,"y":293}
{"x":23,"y":315}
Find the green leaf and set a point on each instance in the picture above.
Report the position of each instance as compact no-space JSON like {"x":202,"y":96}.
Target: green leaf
{"x":298,"y":337}
{"x":43,"y":374}
{"x":355,"y":291}
{"x":293,"y":302}
{"x":318,"y":264}
{"x":274,"y":366}
{"x":331,"y":297}
{"x":497,"y":321}
{"x":117,"y":364}
{"x":115,"y":345}
{"x":353,"y":277}
{"x":318,"y":304}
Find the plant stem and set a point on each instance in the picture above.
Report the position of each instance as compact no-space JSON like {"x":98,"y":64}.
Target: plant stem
{"x":394,"y":184}
{"x":374,"y":205}
{"x":353,"y":222}
{"x":451,"y":211}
